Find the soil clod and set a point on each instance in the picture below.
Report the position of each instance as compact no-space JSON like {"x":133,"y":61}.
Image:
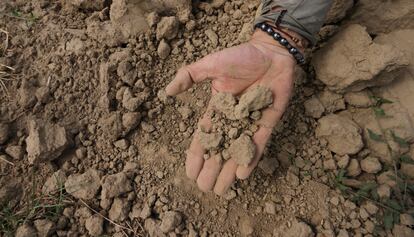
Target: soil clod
{"x":84,"y":186}
{"x":242,"y":150}
{"x":46,"y":141}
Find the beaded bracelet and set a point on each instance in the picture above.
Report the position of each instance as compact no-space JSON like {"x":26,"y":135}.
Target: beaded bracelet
{"x":278,"y":37}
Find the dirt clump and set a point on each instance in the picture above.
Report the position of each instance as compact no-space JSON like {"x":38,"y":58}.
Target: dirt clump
{"x":5,"y":165}
{"x":324,"y":103}
{"x":314,"y":107}
{"x":164,"y":49}
{"x":354,"y":168}
{"x":130,"y":121}
{"x":269,"y":165}
{"x":115,"y":185}
{"x":152,"y":227}
{"x":403,"y":231}
{"x":242,"y":150}
{"x":360,"y":99}
{"x":224,"y":103}
{"x":338,"y":10}
{"x":119,"y":209}
{"x":25,"y":230}
{"x":126,"y":72}
{"x":185,"y":112}
{"x":170,"y":220}
{"x":131,"y":101}
{"x":387,"y":178}
{"x":384,"y":191}
{"x":407,"y":220}
{"x":4,"y":132}
{"x":407,"y":167}
{"x":44,"y":227}
{"x":104,"y":32}
{"x":94,"y":225}
{"x":210,"y":141}
{"x":399,"y":15}
{"x":54,"y":183}
{"x":335,"y":64}
{"x":15,"y":151}
{"x":212,"y":36}
{"x":343,"y":135}
{"x":112,"y":125}
{"x":254,"y":99}
{"x":296,"y":229}
{"x":84,"y":186}
{"x":371,"y":165}
{"x":152,"y":19}
{"x":10,"y":192}
{"x":233,"y":124}
{"x":385,"y":127}
{"x":89,"y":4}
{"x":167,"y":28}
{"x":46,"y":141}
{"x":331,"y":101}
{"x":129,"y":17}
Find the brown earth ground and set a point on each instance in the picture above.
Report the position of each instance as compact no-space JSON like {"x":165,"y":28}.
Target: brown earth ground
{"x":90,"y":147}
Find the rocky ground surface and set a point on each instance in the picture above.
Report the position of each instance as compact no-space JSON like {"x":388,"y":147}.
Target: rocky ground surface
{"x":90,"y":147}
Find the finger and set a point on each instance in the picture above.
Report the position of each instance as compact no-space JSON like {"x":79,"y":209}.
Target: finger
{"x":194,"y":162}
{"x":193,"y":73}
{"x":259,"y":139}
{"x":226,"y":177}
{"x":270,"y":117}
{"x":208,"y":175}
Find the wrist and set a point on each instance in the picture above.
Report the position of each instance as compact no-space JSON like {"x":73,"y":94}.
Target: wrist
{"x":261,"y":36}
{"x":299,"y":41}
{"x":276,"y":40}
{"x":267,"y":45}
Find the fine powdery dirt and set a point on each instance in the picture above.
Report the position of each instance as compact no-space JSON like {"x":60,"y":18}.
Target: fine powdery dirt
{"x":91,"y":146}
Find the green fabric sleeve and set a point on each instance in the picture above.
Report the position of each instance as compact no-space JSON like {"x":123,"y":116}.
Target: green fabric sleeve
{"x":305,"y":17}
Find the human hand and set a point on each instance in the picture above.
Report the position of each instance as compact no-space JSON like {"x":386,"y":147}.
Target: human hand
{"x":261,"y":61}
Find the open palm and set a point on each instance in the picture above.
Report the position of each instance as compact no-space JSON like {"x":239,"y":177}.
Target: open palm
{"x":234,"y":70}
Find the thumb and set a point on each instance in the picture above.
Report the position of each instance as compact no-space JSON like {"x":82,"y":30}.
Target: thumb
{"x":193,"y":73}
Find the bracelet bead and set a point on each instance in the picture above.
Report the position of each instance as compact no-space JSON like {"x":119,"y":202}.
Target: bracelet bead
{"x":276,"y":36}
{"x":283,"y":41}
{"x":300,"y":59}
{"x":293,"y":50}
